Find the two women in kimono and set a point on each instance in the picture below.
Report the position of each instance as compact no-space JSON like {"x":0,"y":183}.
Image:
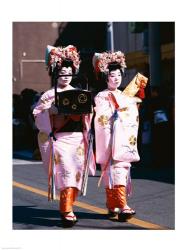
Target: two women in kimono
{"x":65,"y":138}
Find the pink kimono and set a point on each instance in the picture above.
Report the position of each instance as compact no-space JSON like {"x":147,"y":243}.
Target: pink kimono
{"x":69,"y":148}
{"x":116,"y":129}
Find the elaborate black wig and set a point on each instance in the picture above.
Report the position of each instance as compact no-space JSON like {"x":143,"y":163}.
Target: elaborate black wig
{"x":68,"y":63}
{"x":113,"y":66}
{"x":65,"y":63}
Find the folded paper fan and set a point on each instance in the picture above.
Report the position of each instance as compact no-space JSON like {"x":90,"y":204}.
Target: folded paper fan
{"x":138,"y":82}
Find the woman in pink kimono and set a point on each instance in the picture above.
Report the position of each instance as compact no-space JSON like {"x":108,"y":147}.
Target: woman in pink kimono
{"x":63,"y":139}
{"x":116,"y":129}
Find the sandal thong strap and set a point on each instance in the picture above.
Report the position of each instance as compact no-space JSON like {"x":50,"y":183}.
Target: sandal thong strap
{"x":73,"y":217}
{"x":70,"y":217}
{"x":128,"y":211}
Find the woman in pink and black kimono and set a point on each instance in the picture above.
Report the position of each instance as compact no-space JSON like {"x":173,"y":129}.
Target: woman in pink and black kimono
{"x":116,"y":129}
{"x":63,"y":139}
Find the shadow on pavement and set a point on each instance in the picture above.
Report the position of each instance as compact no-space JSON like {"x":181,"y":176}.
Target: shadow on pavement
{"x":30,"y":215}
{"x":34,"y":216}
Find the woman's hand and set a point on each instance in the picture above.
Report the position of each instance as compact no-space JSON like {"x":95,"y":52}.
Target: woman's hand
{"x":53,"y":110}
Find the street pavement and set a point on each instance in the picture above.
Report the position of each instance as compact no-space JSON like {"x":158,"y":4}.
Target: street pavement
{"x":152,"y":198}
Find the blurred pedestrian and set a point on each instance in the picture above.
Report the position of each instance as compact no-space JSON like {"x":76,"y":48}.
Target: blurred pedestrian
{"x":160,"y":127}
{"x":63,"y":136}
{"x":19,"y":124}
{"x":116,"y":129}
{"x":36,"y":152}
{"x":28,"y":99}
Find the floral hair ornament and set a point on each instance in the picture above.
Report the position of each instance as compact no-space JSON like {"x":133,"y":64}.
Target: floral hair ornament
{"x":55,"y":56}
{"x":102,"y":60}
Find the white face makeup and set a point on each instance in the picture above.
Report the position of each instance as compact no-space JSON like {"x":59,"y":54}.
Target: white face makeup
{"x":114,"y":79}
{"x":65,"y":80}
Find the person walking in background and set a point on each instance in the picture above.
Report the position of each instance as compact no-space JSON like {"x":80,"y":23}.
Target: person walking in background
{"x":116,"y":128}
{"x":63,"y":139}
{"x":160,"y":127}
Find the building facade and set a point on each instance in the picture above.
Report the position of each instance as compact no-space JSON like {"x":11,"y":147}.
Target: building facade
{"x":29,"y":42}
{"x":149,"y":48}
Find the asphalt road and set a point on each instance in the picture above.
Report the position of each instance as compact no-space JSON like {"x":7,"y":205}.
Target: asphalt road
{"x":153,"y":200}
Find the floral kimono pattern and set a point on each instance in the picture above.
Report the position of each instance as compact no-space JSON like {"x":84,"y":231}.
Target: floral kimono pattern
{"x":69,"y":148}
{"x":116,"y":129}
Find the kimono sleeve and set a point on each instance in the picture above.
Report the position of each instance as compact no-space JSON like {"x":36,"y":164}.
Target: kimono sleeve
{"x":41,"y":113}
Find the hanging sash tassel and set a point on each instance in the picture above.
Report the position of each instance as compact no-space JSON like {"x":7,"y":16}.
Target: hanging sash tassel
{"x":110,"y":175}
{"x":51,"y":173}
{"x":129,"y":184}
{"x":86,"y":170}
